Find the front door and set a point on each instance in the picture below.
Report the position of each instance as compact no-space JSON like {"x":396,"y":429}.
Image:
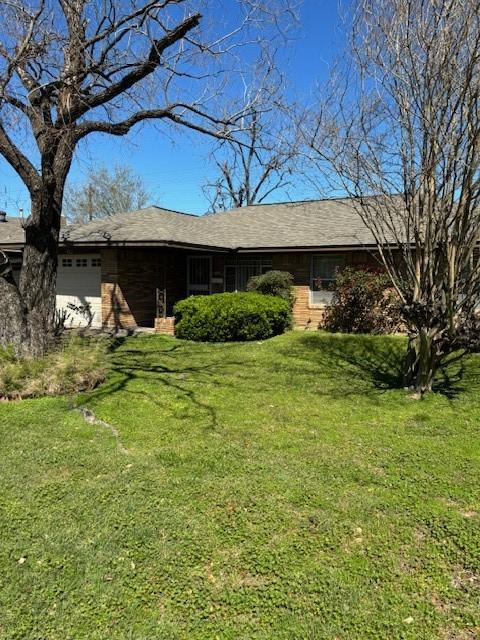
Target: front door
{"x":199,"y":275}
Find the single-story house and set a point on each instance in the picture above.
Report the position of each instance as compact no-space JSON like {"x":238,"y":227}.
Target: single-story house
{"x":132,"y":268}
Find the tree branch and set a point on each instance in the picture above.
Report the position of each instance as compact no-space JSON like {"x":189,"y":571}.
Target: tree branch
{"x":140,"y":72}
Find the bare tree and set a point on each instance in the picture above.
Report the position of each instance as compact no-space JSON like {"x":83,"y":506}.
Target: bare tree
{"x":261,"y":159}
{"x":104,"y":193}
{"x":403,"y":137}
{"x":71,"y":68}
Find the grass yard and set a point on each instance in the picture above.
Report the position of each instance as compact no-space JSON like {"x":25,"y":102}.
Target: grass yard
{"x":276,"y":490}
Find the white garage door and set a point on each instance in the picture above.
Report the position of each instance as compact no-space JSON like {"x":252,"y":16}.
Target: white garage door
{"x":79,"y":289}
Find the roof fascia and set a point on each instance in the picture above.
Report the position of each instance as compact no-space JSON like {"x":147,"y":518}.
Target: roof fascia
{"x":325,"y":248}
{"x":142,"y":243}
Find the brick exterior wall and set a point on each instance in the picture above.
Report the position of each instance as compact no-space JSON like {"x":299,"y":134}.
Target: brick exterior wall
{"x":130,"y":278}
{"x":165,"y":326}
{"x":306,"y":315}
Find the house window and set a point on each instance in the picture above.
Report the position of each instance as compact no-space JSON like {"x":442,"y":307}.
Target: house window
{"x":323,"y":273}
{"x":96,"y":262}
{"x":81,"y":262}
{"x":67,"y":262}
{"x":239,"y":270}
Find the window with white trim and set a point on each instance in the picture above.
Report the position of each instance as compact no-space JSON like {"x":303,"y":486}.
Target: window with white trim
{"x":323,"y":273}
{"x":81,"y":262}
{"x":67,"y":262}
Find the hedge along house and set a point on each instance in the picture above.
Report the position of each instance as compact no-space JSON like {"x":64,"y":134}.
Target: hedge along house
{"x":131,"y":269}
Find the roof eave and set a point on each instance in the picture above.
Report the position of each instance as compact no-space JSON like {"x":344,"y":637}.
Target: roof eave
{"x":12,"y":246}
{"x":143,"y":243}
{"x":306,"y":248}
{"x":65,"y":244}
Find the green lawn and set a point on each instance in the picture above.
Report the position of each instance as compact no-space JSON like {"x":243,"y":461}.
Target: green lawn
{"x":276,"y":490}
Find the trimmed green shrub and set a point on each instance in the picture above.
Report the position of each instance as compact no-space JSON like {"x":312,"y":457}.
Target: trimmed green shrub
{"x":273,"y":283}
{"x":363,"y":302}
{"x":230,"y":317}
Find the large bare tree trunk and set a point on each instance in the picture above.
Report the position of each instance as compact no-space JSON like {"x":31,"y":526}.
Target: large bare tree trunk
{"x":39,"y":270}
{"x":12,"y":325}
{"x":27,"y":315}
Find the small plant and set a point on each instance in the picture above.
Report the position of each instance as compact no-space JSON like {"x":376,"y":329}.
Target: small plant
{"x":273,"y":283}
{"x":60,"y":323}
{"x":363,"y":302}
{"x":229,"y":317}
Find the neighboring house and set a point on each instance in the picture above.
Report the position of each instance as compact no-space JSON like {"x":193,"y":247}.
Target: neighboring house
{"x":132,"y":268}
{"x":11,"y":239}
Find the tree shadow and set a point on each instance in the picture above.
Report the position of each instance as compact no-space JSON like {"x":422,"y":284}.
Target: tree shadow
{"x":456,"y":377}
{"x":136,"y":365}
{"x":358,"y":364}
{"x":117,"y":342}
{"x":365,"y":364}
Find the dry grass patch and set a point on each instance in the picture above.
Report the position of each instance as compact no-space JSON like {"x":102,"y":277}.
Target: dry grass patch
{"x":76,"y":364}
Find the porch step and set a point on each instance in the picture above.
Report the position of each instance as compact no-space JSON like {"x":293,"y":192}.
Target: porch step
{"x":165,"y":326}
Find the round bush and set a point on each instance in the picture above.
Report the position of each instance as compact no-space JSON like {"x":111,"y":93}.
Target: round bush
{"x":229,"y":317}
{"x":273,"y":283}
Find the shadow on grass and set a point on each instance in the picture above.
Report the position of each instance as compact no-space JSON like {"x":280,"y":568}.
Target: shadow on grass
{"x":354,"y":364}
{"x":363,"y":363}
{"x":134,"y":370}
{"x":330,"y":365}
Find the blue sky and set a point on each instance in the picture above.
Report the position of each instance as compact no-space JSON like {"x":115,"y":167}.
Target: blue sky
{"x":175,"y":169}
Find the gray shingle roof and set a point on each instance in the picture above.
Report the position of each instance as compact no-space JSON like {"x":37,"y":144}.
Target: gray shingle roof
{"x":11,"y":232}
{"x":151,"y":225}
{"x":322,"y":223}
{"x":299,"y":224}
{"x":318,"y":223}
